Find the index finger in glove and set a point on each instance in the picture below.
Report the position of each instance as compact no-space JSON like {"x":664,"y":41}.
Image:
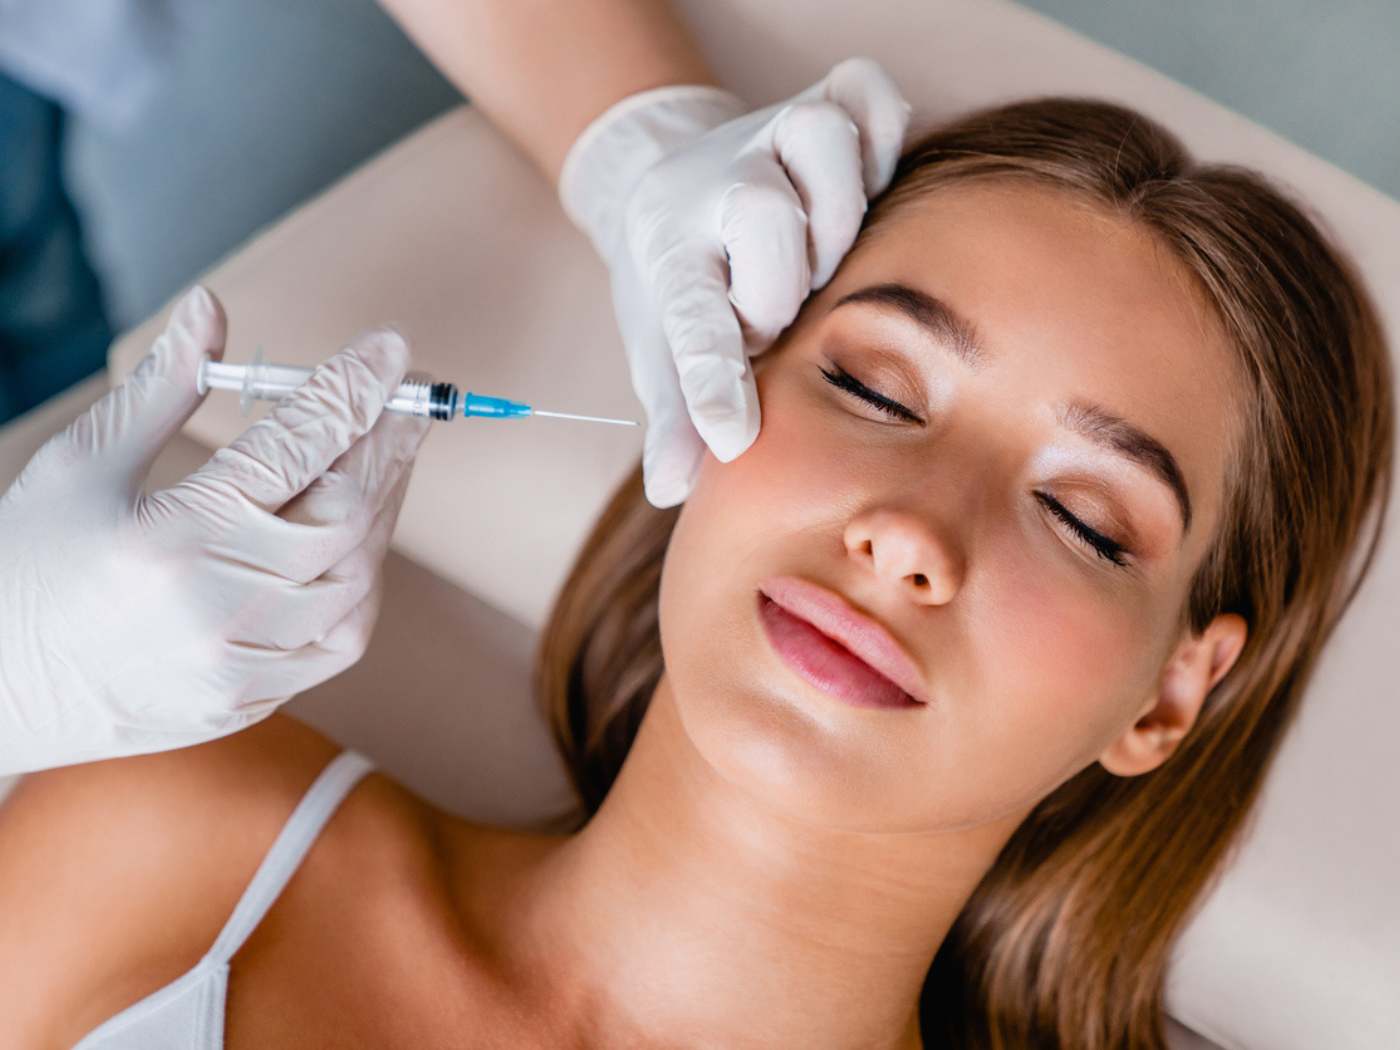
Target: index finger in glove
{"x":708,"y":349}
{"x":819,"y":149}
{"x":672,"y":449}
{"x":350,"y":495}
{"x":335,"y":646}
{"x":289,"y":616}
{"x":279,"y":456}
{"x":346,"y":640}
{"x":764,"y":232}
{"x":863,"y":89}
{"x":322,"y":525}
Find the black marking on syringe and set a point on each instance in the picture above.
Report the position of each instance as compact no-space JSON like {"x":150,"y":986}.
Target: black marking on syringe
{"x":442,"y":401}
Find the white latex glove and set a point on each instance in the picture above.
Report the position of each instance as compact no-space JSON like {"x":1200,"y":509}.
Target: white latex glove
{"x":132,"y":623}
{"x":715,"y":225}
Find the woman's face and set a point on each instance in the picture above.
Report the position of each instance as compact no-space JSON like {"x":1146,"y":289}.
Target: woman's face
{"x":1037,"y":650}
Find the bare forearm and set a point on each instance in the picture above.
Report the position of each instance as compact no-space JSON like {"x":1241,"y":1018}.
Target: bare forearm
{"x":541,"y":70}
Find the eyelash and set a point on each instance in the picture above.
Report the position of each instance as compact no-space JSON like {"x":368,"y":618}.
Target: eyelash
{"x":839,"y":377}
{"x":1105,"y":547}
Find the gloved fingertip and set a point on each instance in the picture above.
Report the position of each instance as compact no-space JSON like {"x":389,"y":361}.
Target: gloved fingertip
{"x":665,"y":493}
{"x":393,"y":343}
{"x":729,"y":426}
{"x":193,"y":305}
{"x":820,"y":278}
{"x":384,"y":351}
{"x":851,"y":66}
{"x":671,"y":459}
{"x":202,"y":299}
{"x":723,"y":435}
{"x":730,"y":442}
{"x":195,"y":329}
{"x":197,"y":310}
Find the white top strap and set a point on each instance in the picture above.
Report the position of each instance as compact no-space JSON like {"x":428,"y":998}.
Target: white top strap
{"x":295,"y":839}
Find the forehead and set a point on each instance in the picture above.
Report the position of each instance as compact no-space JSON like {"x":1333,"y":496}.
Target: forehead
{"x":1069,"y":301}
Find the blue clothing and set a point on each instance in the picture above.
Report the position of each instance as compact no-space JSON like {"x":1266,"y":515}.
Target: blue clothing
{"x":53,"y":328}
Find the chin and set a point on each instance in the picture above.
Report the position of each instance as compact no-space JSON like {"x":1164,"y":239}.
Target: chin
{"x":794,"y":754}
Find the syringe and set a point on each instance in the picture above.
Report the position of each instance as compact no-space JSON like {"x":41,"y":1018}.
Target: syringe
{"x":262,"y":381}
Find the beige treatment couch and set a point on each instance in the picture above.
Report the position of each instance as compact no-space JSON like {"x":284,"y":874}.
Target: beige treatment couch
{"x":453,"y":236}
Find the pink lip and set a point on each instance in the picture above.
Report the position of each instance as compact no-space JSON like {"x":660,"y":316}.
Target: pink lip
{"x":840,"y":650}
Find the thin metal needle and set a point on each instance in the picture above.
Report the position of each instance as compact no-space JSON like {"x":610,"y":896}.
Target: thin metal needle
{"x":590,"y":419}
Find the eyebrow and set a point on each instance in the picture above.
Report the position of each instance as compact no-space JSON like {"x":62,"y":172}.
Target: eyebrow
{"x":959,"y":335}
{"x":943,"y":322}
{"x":1115,"y":433}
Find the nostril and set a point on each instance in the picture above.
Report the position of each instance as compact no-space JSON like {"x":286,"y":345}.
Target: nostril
{"x":920,"y":580}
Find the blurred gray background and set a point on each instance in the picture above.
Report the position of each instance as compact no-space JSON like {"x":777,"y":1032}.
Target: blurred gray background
{"x":1322,"y":73}
{"x":264,"y":103}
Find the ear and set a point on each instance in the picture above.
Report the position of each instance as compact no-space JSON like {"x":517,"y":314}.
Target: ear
{"x":1196,"y":665}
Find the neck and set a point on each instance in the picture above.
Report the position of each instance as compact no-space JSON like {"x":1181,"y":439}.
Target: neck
{"x":686,"y":912}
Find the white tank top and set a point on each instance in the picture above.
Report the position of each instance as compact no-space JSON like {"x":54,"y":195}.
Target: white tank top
{"x":188,"y":1013}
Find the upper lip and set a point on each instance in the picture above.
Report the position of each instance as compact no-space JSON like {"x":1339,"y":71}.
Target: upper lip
{"x":836,"y":618}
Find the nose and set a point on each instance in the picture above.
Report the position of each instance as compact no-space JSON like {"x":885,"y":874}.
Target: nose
{"x":903,"y":549}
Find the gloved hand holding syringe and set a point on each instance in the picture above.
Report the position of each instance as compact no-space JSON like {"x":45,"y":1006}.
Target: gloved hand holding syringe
{"x":134,"y":621}
{"x":262,"y":381}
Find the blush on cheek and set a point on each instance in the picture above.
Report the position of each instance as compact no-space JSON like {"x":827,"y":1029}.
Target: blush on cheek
{"x":1060,"y":657}
{"x":781,"y":469}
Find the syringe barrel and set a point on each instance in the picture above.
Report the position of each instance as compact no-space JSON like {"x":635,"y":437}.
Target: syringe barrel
{"x":261,"y":381}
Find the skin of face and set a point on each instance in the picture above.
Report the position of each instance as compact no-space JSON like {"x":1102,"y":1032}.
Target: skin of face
{"x":1041,"y":656}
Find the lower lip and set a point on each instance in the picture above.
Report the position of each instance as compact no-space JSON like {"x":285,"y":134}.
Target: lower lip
{"x":825,"y":663}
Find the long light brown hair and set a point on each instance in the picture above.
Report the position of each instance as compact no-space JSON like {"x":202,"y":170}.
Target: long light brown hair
{"x":1065,"y":941}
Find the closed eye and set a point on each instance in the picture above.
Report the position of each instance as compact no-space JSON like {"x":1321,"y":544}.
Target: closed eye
{"x":839,"y":377}
{"x":1100,"y":544}
{"x":1104,"y":546}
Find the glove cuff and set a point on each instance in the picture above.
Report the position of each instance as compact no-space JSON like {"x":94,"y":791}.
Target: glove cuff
{"x":608,"y":158}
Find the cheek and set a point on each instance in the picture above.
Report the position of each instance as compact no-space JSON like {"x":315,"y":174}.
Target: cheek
{"x":796,"y":480}
{"x":1060,"y":632}
{"x":1060,"y":665}
{"x":796,"y":467}
{"x":780,"y":487}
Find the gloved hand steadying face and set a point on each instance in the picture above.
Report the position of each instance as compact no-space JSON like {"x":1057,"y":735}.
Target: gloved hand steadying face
{"x":708,"y":217}
{"x":133,"y":623}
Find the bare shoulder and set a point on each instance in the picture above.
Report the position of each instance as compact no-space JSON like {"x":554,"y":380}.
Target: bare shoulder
{"x":116,"y":876}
